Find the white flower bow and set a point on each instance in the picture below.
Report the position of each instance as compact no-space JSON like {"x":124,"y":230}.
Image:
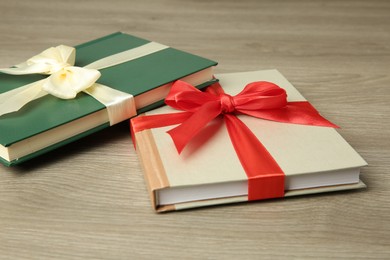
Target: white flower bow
{"x":65,"y":80}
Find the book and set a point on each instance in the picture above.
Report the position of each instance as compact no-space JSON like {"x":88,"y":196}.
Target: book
{"x":207,"y":172}
{"x":49,"y":122}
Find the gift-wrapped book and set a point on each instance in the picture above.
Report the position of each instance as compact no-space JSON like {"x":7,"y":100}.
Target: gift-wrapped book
{"x":65,"y":93}
{"x":228,"y":148}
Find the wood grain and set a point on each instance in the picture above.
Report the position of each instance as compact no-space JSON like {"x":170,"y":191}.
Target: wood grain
{"x":88,"y":200}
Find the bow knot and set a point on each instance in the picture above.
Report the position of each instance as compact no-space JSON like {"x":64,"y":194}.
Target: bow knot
{"x":227,"y":103}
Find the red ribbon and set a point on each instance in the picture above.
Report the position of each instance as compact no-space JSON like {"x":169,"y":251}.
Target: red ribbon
{"x":261,"y":99}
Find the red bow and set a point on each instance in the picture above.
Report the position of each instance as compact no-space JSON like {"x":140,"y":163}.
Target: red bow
{"x":258,"y":99}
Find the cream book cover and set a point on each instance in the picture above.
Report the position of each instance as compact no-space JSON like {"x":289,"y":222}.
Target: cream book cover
{"x":208,"y":172}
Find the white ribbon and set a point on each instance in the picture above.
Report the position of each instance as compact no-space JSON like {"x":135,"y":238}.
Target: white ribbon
{"x":65,"y":80}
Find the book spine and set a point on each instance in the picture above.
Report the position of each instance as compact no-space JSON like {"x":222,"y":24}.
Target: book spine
{"x":151,"y":163}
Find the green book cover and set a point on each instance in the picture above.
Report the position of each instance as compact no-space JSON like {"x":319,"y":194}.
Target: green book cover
{"x":135,"y":77}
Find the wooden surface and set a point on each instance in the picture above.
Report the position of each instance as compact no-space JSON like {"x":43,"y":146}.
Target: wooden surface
{"x":88,"y":200}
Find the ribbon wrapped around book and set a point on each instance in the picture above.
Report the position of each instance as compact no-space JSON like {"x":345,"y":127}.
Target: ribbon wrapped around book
{"x":262,"y":99}
{"x":66,"y":80}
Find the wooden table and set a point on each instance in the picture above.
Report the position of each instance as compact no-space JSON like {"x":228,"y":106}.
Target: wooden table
{"x":88,"y":199}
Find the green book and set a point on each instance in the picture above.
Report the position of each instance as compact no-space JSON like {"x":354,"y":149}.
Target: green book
{"x":49,"y":122}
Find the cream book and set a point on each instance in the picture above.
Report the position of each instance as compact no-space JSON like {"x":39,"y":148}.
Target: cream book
{"x":314,"y":159}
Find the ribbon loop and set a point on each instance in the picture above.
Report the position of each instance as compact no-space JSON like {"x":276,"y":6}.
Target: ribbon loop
{"x":56,"y":58}
{"x":261,"y":95}
{"x":184,"y":96}
{"x":47,"y":62}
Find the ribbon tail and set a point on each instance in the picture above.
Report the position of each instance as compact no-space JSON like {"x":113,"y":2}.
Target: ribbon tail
{"x":154,"y":121}
{"x":141,"y":123}
{"x":182,"y":134}
{"x":265,"y":177}
{"x":15,"y":99}
{"x":300,"y":112}
{"x":24,"y":69}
